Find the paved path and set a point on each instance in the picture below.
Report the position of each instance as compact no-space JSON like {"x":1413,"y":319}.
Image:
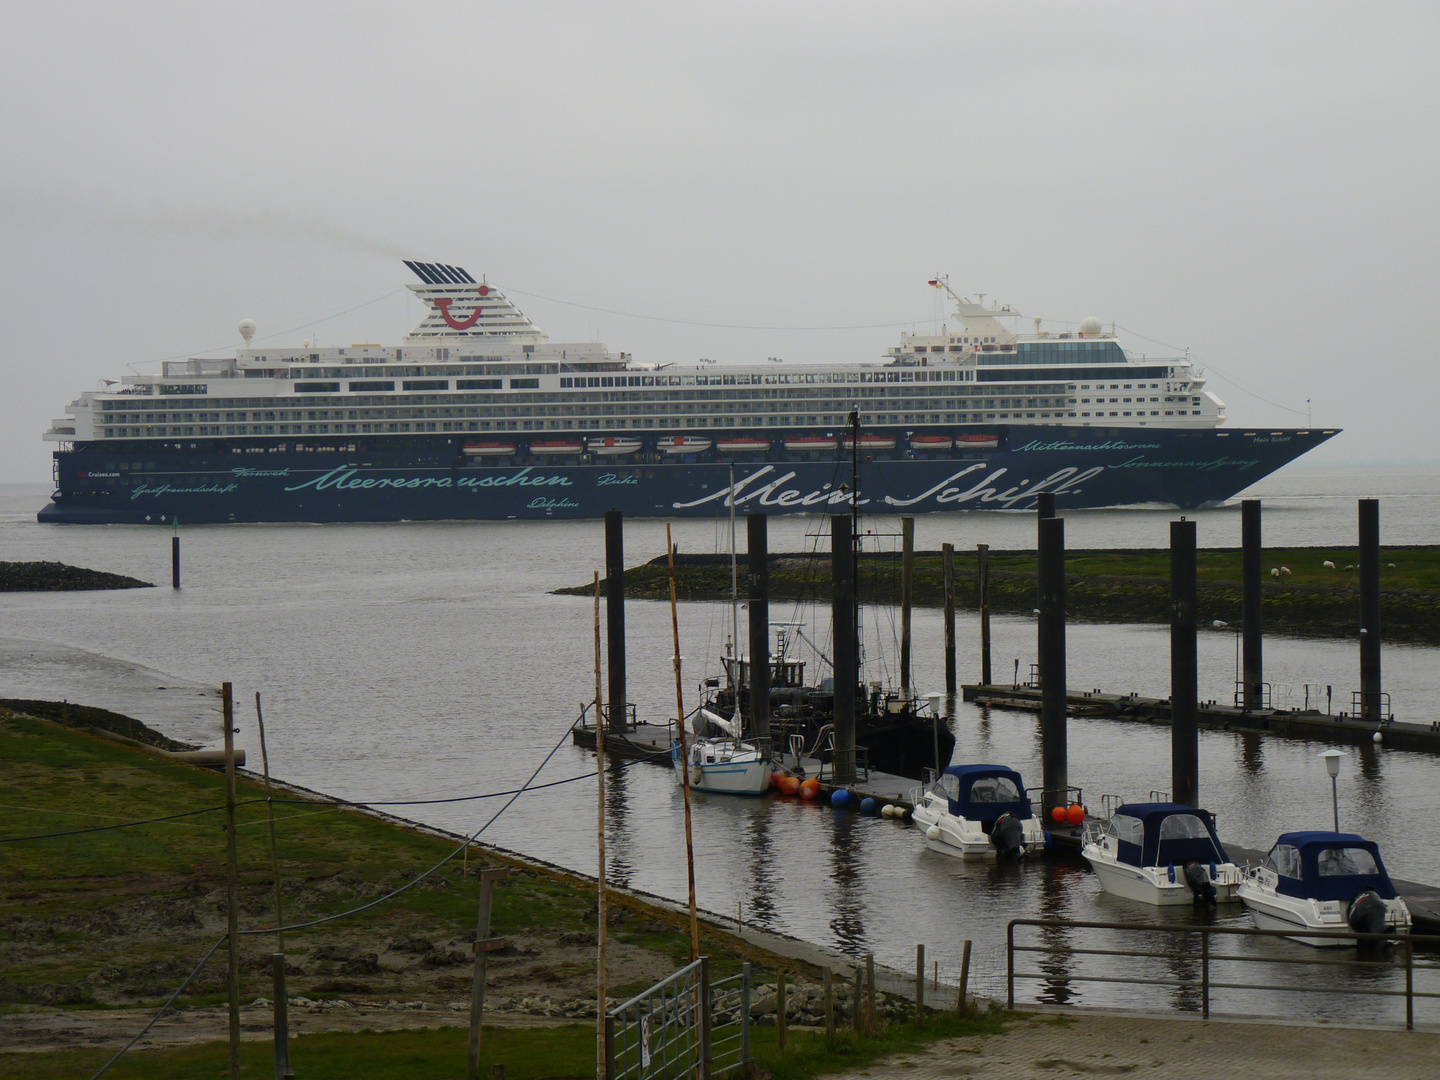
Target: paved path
{"x":1063,"y":1045}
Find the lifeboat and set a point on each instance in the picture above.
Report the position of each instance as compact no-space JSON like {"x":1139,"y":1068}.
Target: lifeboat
{"x":814,"y":442}
{"x":742,"y":444}
{"x":489,"y":449}
{"x":874,"y":442}
{"x":931,"y":442}
{"x":682,"y":444}
{"x":976,"y":441}
{"x":610,"y":446}
{"x":557,"y":447}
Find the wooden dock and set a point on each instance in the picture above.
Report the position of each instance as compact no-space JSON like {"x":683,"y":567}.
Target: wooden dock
{"x":651,"y":742}
{"x":1285,"y":723}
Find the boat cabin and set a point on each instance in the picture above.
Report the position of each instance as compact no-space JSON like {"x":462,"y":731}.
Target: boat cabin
{"x":984,"y":793}
{"x":1328,"y":866}
{"x":784,"y":674}
{"x":1160,"y":834}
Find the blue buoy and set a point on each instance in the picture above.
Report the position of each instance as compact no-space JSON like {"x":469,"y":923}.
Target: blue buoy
{"x":868,"y":806}
{"x":840,"y":798}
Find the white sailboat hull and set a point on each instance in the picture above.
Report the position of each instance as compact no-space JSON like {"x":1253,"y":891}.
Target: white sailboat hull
{"x":723,"y":767}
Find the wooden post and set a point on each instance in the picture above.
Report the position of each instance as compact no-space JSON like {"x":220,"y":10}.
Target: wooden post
{"x":499,"y":1070}
{"x":282,"y":1017}
{"x":484,"y":945}
{"x":960,"y":1003}
{"x":601,"y":991}
{"x":870,"y":993}
{"x":856,"y":1009}
{"x":907,"y":596}
{"x":232,"y":906}
{"x":983,"y":563}
{"x":920,"y":985}
{"x":947,"y":554}
{"x":684,"y":753}
{"x":270,"y":812}
{"x":829,"y":1004}
{"x":781,"y":1029}
{"x":175,"y":556}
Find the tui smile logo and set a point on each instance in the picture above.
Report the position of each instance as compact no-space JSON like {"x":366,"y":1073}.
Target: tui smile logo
{"x":444,"y":302}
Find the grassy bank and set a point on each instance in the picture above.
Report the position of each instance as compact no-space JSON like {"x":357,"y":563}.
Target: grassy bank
{"x":1310,"y":599}
{"x":107,"y":924}
{"x":58,"y":577}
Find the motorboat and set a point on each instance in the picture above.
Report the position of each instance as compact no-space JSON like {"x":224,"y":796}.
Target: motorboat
{"x":722,"y":762}
{"x":978,"y":812}
{"x":1324,"y":881}
{"x":1162,"y":854}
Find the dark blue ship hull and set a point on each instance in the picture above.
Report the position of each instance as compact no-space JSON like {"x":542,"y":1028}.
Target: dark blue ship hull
{"x":430,"y":478}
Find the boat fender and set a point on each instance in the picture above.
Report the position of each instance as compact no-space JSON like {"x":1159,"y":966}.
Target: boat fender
{"x":932,"y":833}
{"x":907,"y":815}
{"x":840,"y":798}
{"x":1201,"y":884}
{"x":1171,"y":870}
{"x":1366,"y":913}
{"x":868,"y":807}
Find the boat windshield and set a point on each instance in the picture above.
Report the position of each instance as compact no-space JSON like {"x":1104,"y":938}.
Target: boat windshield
{"x":1284,"y":860}
{"x":1346,"y":862}
{"x":994,"y":789}
{"x":1130,"y":830}
{"x":1183,"y":827}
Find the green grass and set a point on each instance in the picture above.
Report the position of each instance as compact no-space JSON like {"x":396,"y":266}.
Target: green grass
{"x":437,"y":1054}
{"x":567,"y":1051}
{"x":1114,"y":586}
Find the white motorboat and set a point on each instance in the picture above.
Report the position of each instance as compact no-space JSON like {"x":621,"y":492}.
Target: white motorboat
{"x":1324,"y":881}
{"x":978,"y":812}
{"x":1161,"y":854}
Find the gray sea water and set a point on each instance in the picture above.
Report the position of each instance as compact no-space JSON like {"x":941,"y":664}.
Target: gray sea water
{"x":428,"y":660}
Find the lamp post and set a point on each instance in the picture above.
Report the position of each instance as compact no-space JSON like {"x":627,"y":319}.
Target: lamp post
{"x":1332,"y":766}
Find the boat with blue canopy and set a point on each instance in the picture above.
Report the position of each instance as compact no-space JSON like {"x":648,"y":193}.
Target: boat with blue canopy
{"x":1161,"y":854}
{"x":1324,"y":881}
{"x":977,"y":812}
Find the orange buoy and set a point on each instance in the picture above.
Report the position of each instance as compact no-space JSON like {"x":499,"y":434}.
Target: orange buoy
{"x":1058,"y":814}
{"x":809,"y":788}
{"x":1075,"y":815}
{"x":791,"y":786}
{"x":777,"y":780}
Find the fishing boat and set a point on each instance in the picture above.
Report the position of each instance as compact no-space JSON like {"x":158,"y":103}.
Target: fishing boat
{"x":1323,"y":881}
{"x":1161,"y":854}
{"x":978,"y":812}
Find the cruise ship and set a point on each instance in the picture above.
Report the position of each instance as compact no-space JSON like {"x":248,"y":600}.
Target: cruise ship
{"x":476,"y":414}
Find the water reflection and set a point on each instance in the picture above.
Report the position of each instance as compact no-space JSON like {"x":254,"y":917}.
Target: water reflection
{"x":759,"y":859}
{"x":619,"y":845}
{"x":846,"y":896}
{"x":1252,"y":752}
{"x":1057,"y":963}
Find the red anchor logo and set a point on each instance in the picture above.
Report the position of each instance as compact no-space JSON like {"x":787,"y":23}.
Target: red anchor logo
{"x":443,"y":303}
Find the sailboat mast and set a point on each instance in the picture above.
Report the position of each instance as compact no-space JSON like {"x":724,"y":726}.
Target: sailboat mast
{"x":855,"y":531}
{"x":734,"y":608}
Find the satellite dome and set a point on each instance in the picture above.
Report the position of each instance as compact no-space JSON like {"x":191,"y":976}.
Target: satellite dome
{"x":1090,"y":325}
{"x":247,"y":329}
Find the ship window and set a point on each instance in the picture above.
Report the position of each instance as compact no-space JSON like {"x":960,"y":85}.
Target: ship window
{"x":317,"y":388}
{"x":1284,"y":860}
{"x":369,"y":387}
{"x":524,"y":384}
{"x":1346,"y":862}
{"x":1127,"y":829}
{"x":481,"y":384}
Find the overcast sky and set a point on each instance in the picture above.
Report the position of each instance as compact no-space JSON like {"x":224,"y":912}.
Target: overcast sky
{"x":1256,"y":182}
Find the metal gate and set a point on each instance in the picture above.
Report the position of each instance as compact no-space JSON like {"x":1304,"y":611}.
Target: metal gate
{"x":680,"y":1028}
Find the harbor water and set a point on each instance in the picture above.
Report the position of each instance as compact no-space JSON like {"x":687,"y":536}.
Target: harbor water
{"x":424,"y":661}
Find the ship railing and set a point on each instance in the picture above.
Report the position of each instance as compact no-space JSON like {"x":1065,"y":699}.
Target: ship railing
{"x":626,"y":719}
{"x":1265,"y":695}
{"x":1381,"y":699}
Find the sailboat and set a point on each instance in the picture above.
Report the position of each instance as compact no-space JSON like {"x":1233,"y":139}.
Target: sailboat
{"x":720,"y":758}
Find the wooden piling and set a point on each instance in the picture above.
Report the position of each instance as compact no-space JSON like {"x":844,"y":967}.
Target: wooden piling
{"x":961,"y":1002}
{"x":846,"y":665}
{"x":175,"y":556}
{"x":281,"y":999}
{"x":1370,"y":700}
{"x":829,"y":1003}
{"x":1054,"y":751}
{"x":758,"y":547}
{"x":947,"y":557}
{"x":232,"y":905}
{"x":1253,"y":676}
{"x":615,"y":615}
{"x":484,"y":945}
{"x":781,"y":1027}
{"x":920,"y":985}
{"x":1184,"y":675}
{"x":907,"y":598}
{"x":870,"y":993}
{"x":270,"y":813}
{"x":982,"y":555}
{"x":601,"y":907}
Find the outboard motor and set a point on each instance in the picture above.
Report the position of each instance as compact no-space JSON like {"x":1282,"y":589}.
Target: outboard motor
{"x":1200,"y":884}
{"x":1366,"y":913}
{"x":1008,"y":837}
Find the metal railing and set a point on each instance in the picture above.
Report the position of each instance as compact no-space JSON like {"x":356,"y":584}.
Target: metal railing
{"x":670,"y":1031}
{"x":1204,"y":981}
{"x":1382,"y":703}
{"x":586,"y":719}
